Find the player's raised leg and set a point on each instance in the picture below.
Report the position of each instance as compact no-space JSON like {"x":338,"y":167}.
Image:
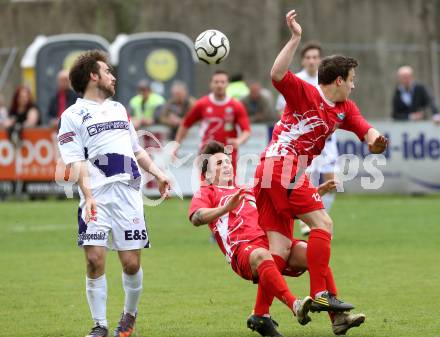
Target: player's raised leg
{"x":341,"y":321}
{"x":96,"y":289}
{"x":318,"y":250}
{"x":298,"y":263}
{"x":132,"y":277}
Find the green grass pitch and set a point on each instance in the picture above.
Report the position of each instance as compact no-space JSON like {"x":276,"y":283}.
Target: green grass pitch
{"x":385,"y":257}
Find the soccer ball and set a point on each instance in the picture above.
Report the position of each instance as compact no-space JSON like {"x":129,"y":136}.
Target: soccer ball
{"x":212,"y":46}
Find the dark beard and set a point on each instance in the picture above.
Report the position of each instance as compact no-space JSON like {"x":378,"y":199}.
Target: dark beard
{"x":108,"y":91}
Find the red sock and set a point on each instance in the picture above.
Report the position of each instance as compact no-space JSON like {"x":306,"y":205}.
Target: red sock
{"x":318,"y":258}
{"x":263,"y":302}
{"x":279,"y":261}
{"x":273,"y":283}
{"x":330,"y":282}
{"x":331,"y":287}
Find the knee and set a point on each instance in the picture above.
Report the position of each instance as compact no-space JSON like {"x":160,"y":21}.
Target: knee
{"x":328,"y":224}
{"x":131,"y":267}
{"x":324,"y":223}
{"x":261,"y":256}
{"x":257,"y":257}
{"x":282,"y":250}
{"x":298,"y":257}
{"x":95,"y":263}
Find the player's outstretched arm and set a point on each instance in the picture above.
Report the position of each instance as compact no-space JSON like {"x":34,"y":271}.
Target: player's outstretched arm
{"x":147,"y":164}
{"x":204,"y":216}
{"x":377,"y":143}
{"x":327,"y":186}
{"x":181,"y":133}
{"x":285,"y":57}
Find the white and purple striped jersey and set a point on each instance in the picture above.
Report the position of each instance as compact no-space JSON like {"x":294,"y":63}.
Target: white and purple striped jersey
{"x":103,"y":135}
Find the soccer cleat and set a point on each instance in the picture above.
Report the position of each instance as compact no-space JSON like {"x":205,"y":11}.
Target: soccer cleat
{"x":344,"y":321}
{"x":265,"y":326}
{"x":328,"y":302}
{"x":301,"y":310}
{"x":125,"y":326}
{"x":98,"y":331}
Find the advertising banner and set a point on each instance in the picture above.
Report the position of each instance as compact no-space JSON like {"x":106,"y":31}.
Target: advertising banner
{"x":34,"y":160}
{"x":411,"y":163}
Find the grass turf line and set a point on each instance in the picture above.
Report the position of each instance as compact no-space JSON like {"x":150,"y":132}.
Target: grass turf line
{"x":384,"y":256}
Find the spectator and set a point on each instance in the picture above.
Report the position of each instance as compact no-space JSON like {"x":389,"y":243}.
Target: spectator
{"x":143,"y":105}
{"x":237,"y":88}
{"x":64,"y":98}
{"x":257,"y":105}
{"x":5,"y":121}
{"x":411,"y":98}
{"x":24,"y":113}
{"x":176,"y":107}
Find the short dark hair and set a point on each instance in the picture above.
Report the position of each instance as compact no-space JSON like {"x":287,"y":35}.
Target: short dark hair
{"x":210,"y":148}
{"x":217,"y":72}
{"x":331,"y":67}
{"x":85,"y":64}
{"x":309,"y":46}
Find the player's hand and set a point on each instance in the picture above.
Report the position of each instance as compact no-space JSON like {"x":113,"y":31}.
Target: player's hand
{"x":436,"y":119}
{"x":327,"y":186}
{"x":294,"y":26}
{"x":91,"y":210}
{"x":175,"y":151}
{"x":236,"y":199}
{"x":164,"y":186}
{"x":234,"y":142}
{"x":416,"y":116}
{"x":379,"y":145}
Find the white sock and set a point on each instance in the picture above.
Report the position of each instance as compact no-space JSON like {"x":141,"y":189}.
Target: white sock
{"x":320,"y":293}
{"x":328,"y":200}
{"x":96,"y":290}
{"x":133,"y":287}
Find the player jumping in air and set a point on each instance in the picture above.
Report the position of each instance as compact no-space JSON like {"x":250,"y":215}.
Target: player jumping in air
{"x":233,"y":218}
{"x":99,"y":142}
{"x":283,"y":191}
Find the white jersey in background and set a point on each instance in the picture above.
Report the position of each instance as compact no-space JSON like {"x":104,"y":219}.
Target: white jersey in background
{"x":103,"y":135}
{"x":313,"y":80}
{"x":304,"y":75}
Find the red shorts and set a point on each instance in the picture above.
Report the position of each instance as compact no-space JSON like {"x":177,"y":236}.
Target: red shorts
{"x":240,"y":260}
{"x":283,"y":191}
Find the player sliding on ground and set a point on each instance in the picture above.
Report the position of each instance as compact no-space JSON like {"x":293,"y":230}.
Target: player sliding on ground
{"x":283,"y":190}
{"x":233,"y":218}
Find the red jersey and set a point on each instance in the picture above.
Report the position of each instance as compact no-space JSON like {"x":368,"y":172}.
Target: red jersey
{"x":235,"y":227}
{"x":309,"y":119}
{"x":219,"y":119}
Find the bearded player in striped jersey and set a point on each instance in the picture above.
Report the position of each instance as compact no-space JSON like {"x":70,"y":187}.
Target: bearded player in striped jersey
{"x":97,"y":139}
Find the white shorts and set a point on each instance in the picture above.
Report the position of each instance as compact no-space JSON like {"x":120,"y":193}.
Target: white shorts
{"x":120,"y":213}
{"x":326,"y":162}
